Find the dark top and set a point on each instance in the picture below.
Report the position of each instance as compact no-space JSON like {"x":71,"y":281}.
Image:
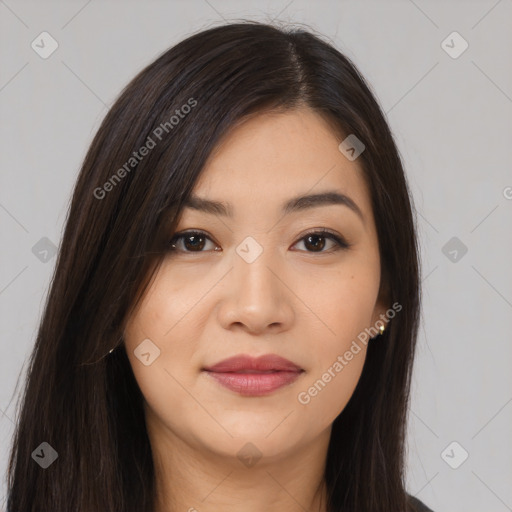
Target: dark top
{"x":417,"y":506}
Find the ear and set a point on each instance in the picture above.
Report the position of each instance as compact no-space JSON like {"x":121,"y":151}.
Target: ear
{"x":382,"y":304}
{"x":379,"y":313}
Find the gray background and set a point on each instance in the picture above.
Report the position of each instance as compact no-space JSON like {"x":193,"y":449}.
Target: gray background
{"x":452,"y":118}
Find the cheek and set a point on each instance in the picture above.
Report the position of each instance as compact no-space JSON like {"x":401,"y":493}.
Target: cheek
{"x":339,"y":303}
{"x":166,"y":382}
{"x":345,"y":301}
{"x":327,"y":392}
{"x":339,"y":352}
{"x":171,"y":300}
{"x":162,"y":319}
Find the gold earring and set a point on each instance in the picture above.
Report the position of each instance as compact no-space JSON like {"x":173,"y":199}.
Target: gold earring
{"x":382,"y":329}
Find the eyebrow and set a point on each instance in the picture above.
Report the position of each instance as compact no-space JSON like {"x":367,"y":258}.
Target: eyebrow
{"x":299,"y":203}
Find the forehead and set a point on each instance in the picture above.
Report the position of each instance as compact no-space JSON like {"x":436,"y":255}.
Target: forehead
{"x":273,"y":157}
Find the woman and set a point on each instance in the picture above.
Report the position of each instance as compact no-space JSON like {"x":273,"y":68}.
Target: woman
{"x":234,"y":310}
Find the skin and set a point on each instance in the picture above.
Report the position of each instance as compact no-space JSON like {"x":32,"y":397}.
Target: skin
{"x":303,"y":301}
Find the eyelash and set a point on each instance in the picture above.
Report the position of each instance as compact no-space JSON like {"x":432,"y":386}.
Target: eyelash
{"x":340,"y":242}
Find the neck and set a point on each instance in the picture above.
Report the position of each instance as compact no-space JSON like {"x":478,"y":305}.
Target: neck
{"x":198,"y":480}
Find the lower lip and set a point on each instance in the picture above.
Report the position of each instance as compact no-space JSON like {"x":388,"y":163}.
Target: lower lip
{"x":255,"y":384}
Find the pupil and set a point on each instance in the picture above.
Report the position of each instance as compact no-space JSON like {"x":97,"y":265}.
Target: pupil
{"x":318,"y":245}
{"x":194,"y":242}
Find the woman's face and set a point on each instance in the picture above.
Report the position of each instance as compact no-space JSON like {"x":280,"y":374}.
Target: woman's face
{"x":255,"y":283}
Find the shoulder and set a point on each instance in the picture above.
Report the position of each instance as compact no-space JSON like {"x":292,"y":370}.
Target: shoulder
{"x":415,"y":505}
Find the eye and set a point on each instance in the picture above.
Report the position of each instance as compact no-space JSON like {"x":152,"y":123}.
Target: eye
{"x":192,"y":241}
{"x":315,"y":241}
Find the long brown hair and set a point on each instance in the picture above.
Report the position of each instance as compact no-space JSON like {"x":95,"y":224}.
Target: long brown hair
{"x":85,"y":402}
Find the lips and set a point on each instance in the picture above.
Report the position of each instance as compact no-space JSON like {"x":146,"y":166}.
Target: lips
{"x":251,"y":376}
{"x":248,"y":364}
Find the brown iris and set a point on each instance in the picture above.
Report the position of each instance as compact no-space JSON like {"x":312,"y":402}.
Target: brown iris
{"x":317,"y":242}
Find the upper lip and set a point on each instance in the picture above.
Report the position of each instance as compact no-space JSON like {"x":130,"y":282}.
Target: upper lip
{"x":268,"y":362}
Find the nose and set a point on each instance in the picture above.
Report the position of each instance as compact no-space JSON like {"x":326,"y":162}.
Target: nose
{"x":255,"y":298}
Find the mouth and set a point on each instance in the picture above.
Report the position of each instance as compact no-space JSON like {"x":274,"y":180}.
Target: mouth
{"x":250,"y":376}
{"x":255,"y":383}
